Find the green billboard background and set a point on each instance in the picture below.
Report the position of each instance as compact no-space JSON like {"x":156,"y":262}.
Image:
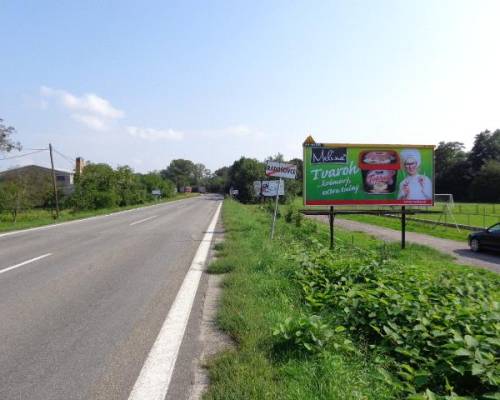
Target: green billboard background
{"x":341,"y":174}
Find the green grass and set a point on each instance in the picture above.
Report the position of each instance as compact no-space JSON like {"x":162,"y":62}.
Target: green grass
{"x":261,"y":291}
{"x":39,"y":217}
{"x":258,"y":294}
{"x":412,"y":226}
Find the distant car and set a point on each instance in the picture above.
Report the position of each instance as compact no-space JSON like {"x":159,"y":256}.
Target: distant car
{"x":487,"y":239}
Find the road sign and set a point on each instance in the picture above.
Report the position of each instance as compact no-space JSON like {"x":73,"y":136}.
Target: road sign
{"x":268,"y":188}
{"x":281,"y":170}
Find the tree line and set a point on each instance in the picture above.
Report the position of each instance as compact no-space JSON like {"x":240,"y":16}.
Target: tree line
{"x":470,"y":175}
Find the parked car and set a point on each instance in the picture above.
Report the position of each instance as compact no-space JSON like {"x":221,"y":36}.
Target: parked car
{"x":487,"y":239}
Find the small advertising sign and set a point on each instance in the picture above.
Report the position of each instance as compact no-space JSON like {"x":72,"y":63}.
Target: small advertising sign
{"x":370,"y":174}
{"x":156,"y":192}
{"x":281,"y":170}
{"x":268,"y":188}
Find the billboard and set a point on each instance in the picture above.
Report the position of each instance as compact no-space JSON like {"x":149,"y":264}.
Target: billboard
{"x":370,"y":174}
{"x":268,"y":188}
{"x":281,"y":170}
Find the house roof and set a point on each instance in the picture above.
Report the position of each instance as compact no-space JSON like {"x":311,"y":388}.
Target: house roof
{"x":57,"y":171}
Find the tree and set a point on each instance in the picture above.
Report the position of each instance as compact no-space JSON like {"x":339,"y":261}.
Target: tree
{"x":154,"y":181}
{"x":25,"y":190}
{"x":486,"y":147}
{"x":201,"y":173}
{"x":13,"y":198}
{"x":486,"y":184}
{"x":452,"y":171}
{"x":95,"y":188}
{"x":6,"y":143}
{"x":128,"y":187}
{"x":300,"y":166}
{"x":457,"y":181}
{"x":218,"y":182}
{"x":277,"y":157}
{"x":447,"y":154}
{"x":181,"y":172}
{"x":243,"y":173}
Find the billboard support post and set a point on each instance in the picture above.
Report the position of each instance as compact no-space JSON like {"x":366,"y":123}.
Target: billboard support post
{"x":332,"y":217}
{"x":275,"y":208}
{"x":403,"y":227}
{"x":367,"y":174}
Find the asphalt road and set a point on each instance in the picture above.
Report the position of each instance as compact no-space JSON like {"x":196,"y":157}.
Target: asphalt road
{"x":80,"y":322}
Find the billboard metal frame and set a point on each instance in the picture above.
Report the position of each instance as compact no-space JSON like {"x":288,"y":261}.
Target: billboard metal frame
{"x":331,"y":212}
{"x":309,"y":143}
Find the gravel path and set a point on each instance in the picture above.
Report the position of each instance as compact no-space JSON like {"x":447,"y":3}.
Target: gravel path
{"x":457,"y":249}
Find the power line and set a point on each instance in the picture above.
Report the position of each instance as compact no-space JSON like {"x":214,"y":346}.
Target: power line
{"x":67,"y":158}
{"x":22,"y":155}
{"x":24,"y":148}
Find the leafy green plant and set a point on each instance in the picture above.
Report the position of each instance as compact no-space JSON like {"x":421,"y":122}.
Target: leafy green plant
{"x":308,"y":333}
{"x":440,"y":328}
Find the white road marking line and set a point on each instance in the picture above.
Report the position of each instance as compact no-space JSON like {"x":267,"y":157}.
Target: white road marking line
{"x":77,"y":221}
{"x":155,"y":376}
{"x":143,"y":220}
{"x":24,"y":263}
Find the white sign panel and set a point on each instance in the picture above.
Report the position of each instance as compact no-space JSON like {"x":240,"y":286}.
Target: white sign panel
{"x":268,"y":188}
{"x":281,"y":170}
{"x":156,"y":192}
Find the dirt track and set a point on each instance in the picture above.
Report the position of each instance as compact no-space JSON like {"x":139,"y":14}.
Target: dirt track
{"x":457,"y":249}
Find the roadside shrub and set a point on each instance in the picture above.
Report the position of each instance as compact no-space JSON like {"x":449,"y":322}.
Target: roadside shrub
{"x":441,"y":328}
{"x":308,"y":334}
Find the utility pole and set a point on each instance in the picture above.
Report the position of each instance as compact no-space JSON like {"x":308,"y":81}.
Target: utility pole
{"x":54,"y":181}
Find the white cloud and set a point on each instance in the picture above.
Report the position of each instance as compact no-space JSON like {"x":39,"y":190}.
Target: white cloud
{"x":93,"y":122}
{"x":89,"y":109}
{"x":154,"y":135}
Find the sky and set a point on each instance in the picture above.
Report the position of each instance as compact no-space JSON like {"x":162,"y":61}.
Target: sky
{"x":142,"y":83}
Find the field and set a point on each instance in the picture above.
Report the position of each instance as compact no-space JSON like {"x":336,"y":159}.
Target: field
{"x":472,"y":214}
{"x":366,"y":321}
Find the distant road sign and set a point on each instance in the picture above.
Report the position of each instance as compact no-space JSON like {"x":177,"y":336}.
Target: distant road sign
{"x":156,"y":192}
{"x":268,"y":188}
{"x":281,"y":170}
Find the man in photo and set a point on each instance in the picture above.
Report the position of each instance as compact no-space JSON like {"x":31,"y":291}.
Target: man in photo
{"x":414,"y":186}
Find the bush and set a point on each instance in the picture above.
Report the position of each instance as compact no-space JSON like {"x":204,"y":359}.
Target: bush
{"x":308,"y":334}
{"x":441,"y":328}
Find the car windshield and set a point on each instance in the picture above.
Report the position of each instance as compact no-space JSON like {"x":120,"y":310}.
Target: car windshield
{"x":494,"y":228}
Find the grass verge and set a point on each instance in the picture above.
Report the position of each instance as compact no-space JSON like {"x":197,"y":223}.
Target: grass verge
{"x":288,"y":348}
{"x":35,"y":218}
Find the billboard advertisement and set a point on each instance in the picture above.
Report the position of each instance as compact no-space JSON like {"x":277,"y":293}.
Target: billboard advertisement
{"x":369,"y":174}
{"x":268,"y":188}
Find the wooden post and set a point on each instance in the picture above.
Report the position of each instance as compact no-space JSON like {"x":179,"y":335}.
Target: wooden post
{"x":54,"y":181}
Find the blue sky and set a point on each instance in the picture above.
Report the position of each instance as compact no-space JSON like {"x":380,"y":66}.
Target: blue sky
{"x":142,"y":83}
